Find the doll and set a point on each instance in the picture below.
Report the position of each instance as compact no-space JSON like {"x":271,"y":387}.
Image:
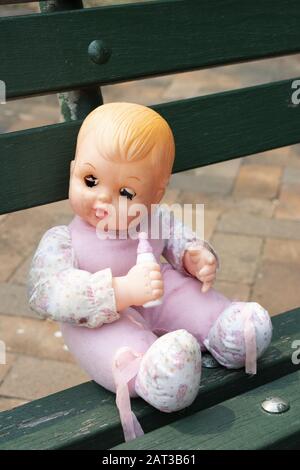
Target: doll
{"x":90,"y":282}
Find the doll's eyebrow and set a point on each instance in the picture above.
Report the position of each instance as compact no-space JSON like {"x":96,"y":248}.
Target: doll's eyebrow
{"x":135,"y":177}
{"x":87,"y":163}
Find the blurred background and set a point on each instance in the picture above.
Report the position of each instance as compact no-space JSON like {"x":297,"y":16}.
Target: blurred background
{"x":251,"y":210}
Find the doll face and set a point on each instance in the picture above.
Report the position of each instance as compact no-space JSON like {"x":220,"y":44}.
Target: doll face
{"x":101,"y":191}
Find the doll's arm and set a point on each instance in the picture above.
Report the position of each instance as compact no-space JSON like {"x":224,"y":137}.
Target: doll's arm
{"x":180,"y":237}
{"x":60,"y":291}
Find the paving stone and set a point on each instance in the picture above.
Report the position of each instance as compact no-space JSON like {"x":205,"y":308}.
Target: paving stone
{"x":2,"y":217}
{"x":171,"y":196}
{"x":230,"y":77}
{"x":23,"y":230}
{"x":264,"y":207}
{"x":202,"y":221}
{"x":291,"y":176}
{"x":258,"y":181}
{"x":147,"y":91}
{"x":210,"y":222}
{"x":233,"y":290}
{"x":9,"y":259}
{"x":294,"y":157}
{"x":210,"y":201}
{"x":276,"y":157}
{"x":215,"y":185}
{"x":38,"y":338}
{"x":14,"y":300}
{"x":200,"y":82}
{"x":60,"y":212}
{"x":263,"y":71}
{"x":289,"y":203}
{"x":20,"y":276}
{"x":36,"y":114}
{"x":261,"y":226}
{"x":239,"y":255}
{"x":217,"y":179}
{"x":31,"y":378}
{"x":282,"y":251}
{"x":236,"y":208}
{"x":16,"y":9}
{"x":277,"y":286}
{"x":10,"y":359}
{"x":227,"y":169}
{"x":248,"y":205}
{"x":30,"y":112}
{"x":10,"y":403}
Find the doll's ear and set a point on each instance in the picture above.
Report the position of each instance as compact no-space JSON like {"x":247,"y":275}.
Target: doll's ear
{"x":159,"y":194}
{"x":72,"y":166}
{"x":162,"y":189}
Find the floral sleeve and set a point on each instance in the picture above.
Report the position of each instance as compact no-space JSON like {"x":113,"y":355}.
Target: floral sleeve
{"x":59,"y":290}
{"x":180,"y":237}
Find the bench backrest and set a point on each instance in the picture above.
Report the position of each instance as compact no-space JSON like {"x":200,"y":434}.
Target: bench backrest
{"x":69,"y":48}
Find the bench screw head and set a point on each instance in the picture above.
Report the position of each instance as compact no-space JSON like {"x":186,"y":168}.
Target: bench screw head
{"x":275,"y":405}
{"x":98,"y":52}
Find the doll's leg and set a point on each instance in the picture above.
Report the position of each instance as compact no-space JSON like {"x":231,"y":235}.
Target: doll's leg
{"x":111,"y":356}
{"x":185,"y":306}
{"x":97,"y":349}
{"x":170,"y":372}
{"x":121,"y":357}
{"x":236,"y":333}
{"x":240,"y":335}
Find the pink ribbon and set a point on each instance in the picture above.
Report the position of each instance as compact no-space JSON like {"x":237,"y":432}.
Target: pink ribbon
{"x":250,"y":343}
{"x":131,"y":426}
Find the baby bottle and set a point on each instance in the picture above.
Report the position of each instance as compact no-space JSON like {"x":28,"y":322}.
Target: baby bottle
{"x":145,"y":254}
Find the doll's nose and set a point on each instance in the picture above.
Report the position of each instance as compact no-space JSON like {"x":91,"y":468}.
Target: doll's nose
{"x":103,"y":195}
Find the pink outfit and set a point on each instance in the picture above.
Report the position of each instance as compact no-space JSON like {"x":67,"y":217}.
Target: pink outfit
{"x":71,"y":281}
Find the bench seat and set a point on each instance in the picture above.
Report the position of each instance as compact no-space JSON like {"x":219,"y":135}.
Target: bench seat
{"x":86,"y":417}
{"x":237,"y":423}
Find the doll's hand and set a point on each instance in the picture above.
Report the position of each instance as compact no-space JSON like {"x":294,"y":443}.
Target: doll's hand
{"x":202,"y":264}
{"x":144,"y":283}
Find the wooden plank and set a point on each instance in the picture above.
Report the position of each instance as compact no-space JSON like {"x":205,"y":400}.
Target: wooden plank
{"x":8,"y":2}
{"x":209,"y":129}
{"x":35,"y":165}
{"x":85,"y":417}
{"x":235,"y":424}
{"x":145,"y":39}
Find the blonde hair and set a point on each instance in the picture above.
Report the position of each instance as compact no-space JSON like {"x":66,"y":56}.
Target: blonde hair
{"x":131,"y":132}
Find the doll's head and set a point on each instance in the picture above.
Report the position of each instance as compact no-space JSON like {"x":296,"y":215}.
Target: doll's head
{"x":124,"y":156}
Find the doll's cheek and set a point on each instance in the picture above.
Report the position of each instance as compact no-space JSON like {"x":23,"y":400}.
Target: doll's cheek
{"x":81,"y":205}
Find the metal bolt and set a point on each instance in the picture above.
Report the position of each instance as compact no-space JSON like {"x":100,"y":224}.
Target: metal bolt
{"x":275,"y":405}
{"x":98,"y":52}
{"x":209,"y":362}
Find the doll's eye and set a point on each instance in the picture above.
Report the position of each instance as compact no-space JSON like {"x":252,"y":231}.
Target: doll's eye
{"x":129,"y":193}
{"x":90,"y":181}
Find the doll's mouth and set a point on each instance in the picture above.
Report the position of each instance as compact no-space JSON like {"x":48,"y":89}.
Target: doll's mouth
{"x":101,"y":213}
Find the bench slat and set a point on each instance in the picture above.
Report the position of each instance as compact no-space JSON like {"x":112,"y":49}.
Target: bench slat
{"x":235,"y":424}
{"x":146,"y":39}
{"x":85,"y":417}
{"x":209,"y":129}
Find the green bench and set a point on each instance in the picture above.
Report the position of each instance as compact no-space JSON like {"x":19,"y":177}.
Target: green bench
{"x":67,"y":48}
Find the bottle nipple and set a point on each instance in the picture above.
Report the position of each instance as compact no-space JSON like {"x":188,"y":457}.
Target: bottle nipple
{"x":144,"y":246}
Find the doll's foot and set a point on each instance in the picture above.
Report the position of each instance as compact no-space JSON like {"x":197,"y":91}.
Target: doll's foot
{"x":240,"y":335}
{"x":170,"y":372}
